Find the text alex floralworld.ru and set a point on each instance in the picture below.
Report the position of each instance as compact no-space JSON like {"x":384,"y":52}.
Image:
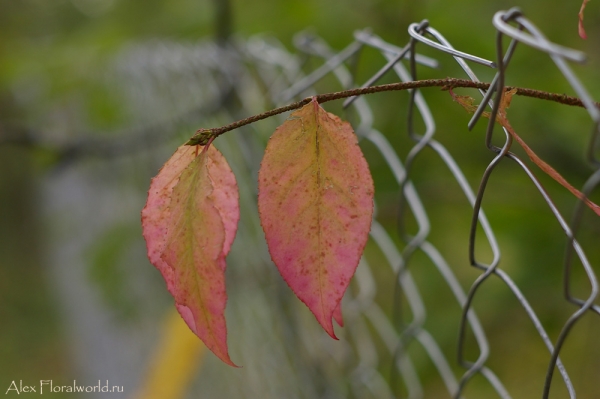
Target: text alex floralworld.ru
{"x":47,"y":386}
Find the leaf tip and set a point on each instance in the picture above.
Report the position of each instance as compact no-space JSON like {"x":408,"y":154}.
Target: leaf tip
{"x":326,"y":320}
{"x":337,"y":315}
{"x":216,"y":346}
{"x":330,"y":331}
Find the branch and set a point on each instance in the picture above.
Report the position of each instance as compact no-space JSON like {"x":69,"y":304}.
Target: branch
{"x":202,"y":136}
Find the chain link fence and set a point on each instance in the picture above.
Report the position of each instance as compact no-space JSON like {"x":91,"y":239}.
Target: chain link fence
{"x":424,"y":314}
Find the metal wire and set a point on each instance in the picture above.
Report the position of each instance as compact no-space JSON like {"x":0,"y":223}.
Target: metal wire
{"x":386,"y":349}
{"x":417,"y":31}
{"x":492,"y":268}
{"x":418,"y":241}
{"x":558,"y":54}
{"x":414,"y":330}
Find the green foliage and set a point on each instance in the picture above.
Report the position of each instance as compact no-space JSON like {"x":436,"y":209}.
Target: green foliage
{"x":108,"y":269}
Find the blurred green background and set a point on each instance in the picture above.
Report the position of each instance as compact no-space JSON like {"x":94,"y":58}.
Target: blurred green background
{"x":57,"y":60}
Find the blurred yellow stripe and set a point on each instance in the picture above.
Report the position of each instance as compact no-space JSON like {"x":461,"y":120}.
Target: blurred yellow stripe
{"x":178,"y":355}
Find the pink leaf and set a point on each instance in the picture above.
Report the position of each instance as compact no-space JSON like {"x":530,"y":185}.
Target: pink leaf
{"x":316,"y":203}
{"x":189,"y":223}
{"x":582,"y":33}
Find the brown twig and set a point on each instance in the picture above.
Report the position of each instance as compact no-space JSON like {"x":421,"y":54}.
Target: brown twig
{"x":202,"y":136}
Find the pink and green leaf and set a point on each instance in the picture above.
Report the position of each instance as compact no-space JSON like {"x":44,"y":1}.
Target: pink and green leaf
{"x":189,"y":223}
{"x":582,"y":33}
{"x":316,"y":203}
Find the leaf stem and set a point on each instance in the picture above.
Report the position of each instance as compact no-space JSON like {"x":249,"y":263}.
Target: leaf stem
{"x":202,"y":136}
